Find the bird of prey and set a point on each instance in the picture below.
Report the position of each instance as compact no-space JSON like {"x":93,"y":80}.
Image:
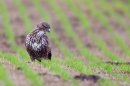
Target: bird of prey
{"x":37,"y":44}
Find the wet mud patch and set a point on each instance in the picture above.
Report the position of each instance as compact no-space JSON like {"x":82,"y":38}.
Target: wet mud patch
{"x":19,"y":68}
{"x":83,"y":77}
{"x":118,"y":63}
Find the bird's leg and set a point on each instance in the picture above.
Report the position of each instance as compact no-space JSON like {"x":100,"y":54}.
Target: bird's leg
{"x":32,"y":58}
{"x":39,"y":59}
{"x":49,"y":56}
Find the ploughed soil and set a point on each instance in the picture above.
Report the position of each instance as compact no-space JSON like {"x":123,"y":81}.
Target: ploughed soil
{"x":51,"y":79}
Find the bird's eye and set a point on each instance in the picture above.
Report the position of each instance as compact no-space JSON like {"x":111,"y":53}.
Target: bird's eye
{"x":44,"y":25}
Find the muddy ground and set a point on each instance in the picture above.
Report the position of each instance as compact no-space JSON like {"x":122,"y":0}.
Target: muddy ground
{"x":50,"y":79}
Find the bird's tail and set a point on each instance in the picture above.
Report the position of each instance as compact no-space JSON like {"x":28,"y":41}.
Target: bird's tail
{"x":49,"y":55}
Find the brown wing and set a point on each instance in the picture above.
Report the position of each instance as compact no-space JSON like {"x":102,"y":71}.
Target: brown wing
{"x":37,"y":45}
{"x":46,"y":46}
{"x":28,"y":45}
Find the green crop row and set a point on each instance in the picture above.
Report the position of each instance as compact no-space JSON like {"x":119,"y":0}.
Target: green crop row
{"x":63,"y":73}
{"x":119,"y":19}
{"x":121,"y":6}
{"x":50,"y":65}
{"x":72,"y":62}
{"x":57,"y":69}
{"x":119,"y":71}
{"x":102,"y":18}
{"x":22,"y":10}
{"x":80,"y":15}
{"x":68,"y":29}
{"x":9,"y":33}
{"x":121,"y":75}
{"x":63,"y":17}
{"x":85,"y":24}
{"x":53,"y":35}
{"x":4,"y":79}
{"x":29,"y":73}
{"x":8,"y":28}
{"x":125,"y":10}
{"x":110,"y":10}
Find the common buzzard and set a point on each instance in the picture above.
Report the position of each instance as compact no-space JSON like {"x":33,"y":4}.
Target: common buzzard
{"x":37,"y":44}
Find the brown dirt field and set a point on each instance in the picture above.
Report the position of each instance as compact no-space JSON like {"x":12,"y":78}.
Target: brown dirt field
{"x":1,"y":84}
{"x":71,"y":71}
{"x":75,"y":24}
{"x":101,"y":31}
{"x":35,"y":18}
{"x":115,"y":25}
{"x":16,"y":76}
{"x":120,"y":30}
{"x":49,"y":78}
{"x":20,"y":31}
{"x":82,"y":34}
{"x":4,"y":45}
{"x":15,"y":22}
{"x":61,"y":33}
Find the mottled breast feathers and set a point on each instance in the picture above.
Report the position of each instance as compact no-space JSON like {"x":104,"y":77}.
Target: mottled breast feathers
{"x":37,"y":45}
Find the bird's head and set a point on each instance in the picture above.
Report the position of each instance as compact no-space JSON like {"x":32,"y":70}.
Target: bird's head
{"x":44,"y":26}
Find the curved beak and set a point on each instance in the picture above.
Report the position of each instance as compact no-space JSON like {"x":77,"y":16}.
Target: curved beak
{"x":48,"y":30}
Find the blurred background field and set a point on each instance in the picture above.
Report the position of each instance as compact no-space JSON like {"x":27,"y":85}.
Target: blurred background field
{"x":88,"y":37}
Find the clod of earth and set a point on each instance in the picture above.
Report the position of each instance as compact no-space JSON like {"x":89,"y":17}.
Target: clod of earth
{"x":48,"y":74}
{"x":82,"y":77}
{"x":19,"y":68}
{"x":42,"y":73}
{"x":118,"y":63}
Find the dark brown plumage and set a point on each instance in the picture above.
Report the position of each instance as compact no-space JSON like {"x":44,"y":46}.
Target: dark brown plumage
{"x":37,"y":44}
